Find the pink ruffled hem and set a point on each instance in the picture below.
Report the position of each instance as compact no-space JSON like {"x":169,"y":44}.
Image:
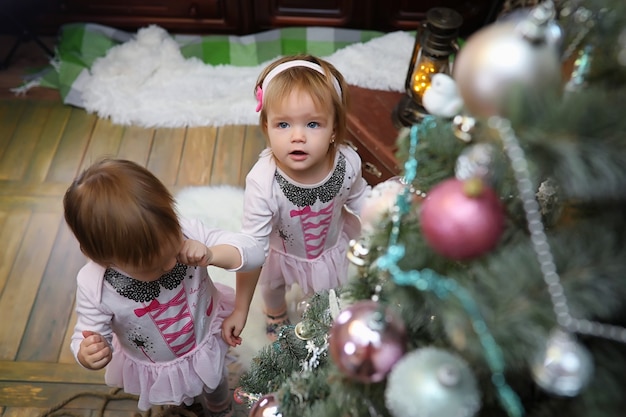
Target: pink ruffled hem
{"x":182,"y":379}
{"x":329,"y":270}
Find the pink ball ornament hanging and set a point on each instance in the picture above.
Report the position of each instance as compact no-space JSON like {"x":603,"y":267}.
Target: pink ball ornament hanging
{"x":366,"y":340}
{"x":239,"y":395}
{"x":266,"y":406}
{"x":462,"y":219}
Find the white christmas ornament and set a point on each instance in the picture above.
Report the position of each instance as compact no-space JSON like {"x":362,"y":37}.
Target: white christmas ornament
{"x":505,"y":58}
{"x":380,"y":203}
{"x":442,"y":98}
{"x":431,"y":382}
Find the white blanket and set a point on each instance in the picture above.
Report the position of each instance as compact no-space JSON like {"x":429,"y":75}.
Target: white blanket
{"x":147,"y":82}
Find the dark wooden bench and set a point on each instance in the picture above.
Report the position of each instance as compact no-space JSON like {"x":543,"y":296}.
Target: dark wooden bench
{"x":373,"y":133}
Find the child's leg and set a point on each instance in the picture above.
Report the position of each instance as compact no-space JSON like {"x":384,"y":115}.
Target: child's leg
{"x":218,"y":403}
{"x":275,"y":310}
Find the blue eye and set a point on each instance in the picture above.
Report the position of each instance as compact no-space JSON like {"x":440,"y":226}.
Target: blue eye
{"x":282,"y":125}
{"x":313,"y":125}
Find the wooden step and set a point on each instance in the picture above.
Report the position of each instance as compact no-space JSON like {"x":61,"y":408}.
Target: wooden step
{"x":43,"y":385}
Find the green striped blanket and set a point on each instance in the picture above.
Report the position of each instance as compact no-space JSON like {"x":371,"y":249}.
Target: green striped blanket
{"x":81,"y":47}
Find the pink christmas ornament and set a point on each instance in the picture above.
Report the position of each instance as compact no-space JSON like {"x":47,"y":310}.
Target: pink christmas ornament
{"x":366,"y":340}
{"x":267,"y":406}
{"x":239,"y":395}
{"x":462,"y":219}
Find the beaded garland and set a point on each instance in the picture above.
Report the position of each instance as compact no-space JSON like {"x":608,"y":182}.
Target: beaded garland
{"x":541,"y":245}
{"x":429,"y":280}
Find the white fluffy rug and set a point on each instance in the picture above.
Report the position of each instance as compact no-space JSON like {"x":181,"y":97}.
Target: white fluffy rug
{"x":222,"y":207}
{"x":147,"y":82}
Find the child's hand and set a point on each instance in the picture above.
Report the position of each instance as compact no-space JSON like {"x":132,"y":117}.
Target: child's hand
{"x":94,"y":352}
{"x":194,"y":253}
{"x":232,"y":327}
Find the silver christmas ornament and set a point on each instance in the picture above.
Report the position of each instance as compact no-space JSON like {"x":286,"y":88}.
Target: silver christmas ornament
{"x":508,"y":57}
{"x":475,"y":162}
{"x":431,"y":382}
{"x":564,"y":367}
{"x":302,"y":306}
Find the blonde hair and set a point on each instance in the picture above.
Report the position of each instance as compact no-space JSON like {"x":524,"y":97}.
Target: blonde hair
{"x":321,"y":88}
{"x":120,"y":212}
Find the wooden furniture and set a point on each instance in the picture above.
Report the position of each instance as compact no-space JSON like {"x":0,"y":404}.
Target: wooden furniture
{"x":372,"y":132}
{"x":252,"y":16}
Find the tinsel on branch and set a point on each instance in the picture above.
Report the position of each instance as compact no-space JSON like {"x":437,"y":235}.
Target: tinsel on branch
{"x":462,"y":315}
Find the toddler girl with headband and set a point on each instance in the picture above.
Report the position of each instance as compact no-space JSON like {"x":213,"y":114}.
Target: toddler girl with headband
{"x":147,"y":309}
{"x":303,"y":195}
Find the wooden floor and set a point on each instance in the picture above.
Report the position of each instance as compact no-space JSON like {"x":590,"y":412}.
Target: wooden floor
{"x":43,"y":145}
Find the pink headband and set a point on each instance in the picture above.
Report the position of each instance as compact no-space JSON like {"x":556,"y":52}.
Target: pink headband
{"x":282,"y":67}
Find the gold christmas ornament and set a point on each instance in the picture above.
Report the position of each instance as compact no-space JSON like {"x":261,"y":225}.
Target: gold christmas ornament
{"x":303,"y":331}
{"x":358,"y":251}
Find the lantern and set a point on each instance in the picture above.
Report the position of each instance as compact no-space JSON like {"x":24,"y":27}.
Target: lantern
{"x":433,"y":52}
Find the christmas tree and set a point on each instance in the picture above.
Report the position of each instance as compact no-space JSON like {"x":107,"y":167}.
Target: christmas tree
{"x":490,"y":278}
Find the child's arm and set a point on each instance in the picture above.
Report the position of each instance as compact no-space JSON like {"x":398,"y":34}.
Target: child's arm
{"x":245,"y":256}
{"x":196,"y":253}
{"x":256,"y":223}
{"x":226,"y":256}
{"x":231,"y":251}
{"x":234,"y":324}
{"x":91,"y":340}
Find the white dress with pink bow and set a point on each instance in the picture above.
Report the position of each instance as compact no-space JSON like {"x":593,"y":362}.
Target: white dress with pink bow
{"x":305,"y":229}
{"x":165,"y":334}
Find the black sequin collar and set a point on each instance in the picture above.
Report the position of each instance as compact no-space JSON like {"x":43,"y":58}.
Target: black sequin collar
{"x":142,"y":291}
{"x":303,"y":197}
